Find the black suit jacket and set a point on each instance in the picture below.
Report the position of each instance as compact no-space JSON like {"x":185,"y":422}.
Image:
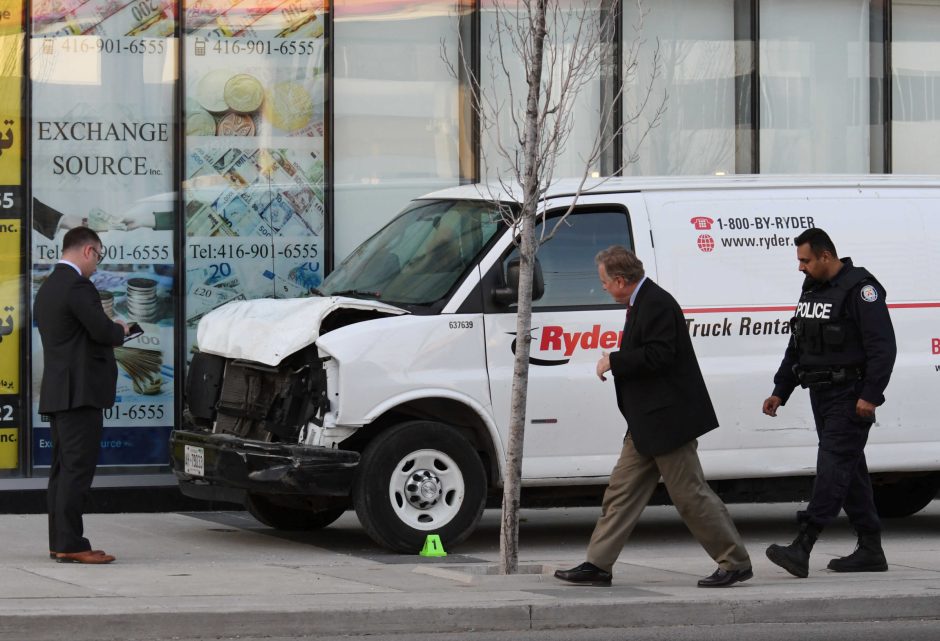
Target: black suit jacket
{"x":78,"y":342}
{"x":660,"y":389}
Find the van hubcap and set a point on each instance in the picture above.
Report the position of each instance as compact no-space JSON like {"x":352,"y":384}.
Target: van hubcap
{"x":426,"y":489}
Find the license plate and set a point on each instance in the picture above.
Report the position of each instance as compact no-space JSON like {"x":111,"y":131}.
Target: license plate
{"x":194,"y":460}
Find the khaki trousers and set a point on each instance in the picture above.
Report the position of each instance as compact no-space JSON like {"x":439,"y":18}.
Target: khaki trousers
{"x":632,"y":482}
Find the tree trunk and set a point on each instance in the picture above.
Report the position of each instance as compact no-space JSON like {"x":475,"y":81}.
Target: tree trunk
{"x":512,"y":475}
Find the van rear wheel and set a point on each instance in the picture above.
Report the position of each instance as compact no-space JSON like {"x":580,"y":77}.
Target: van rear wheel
{"x":905,"y":496}
{"x":416,"y":479}
{"x":283,"y":517}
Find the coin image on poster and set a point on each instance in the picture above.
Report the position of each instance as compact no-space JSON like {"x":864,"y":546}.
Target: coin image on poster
{"x":243,"y":93}
{"x":141,"y":299}
{"x":200,"y":122}
{"x":210,"y":91}
{"x":107,"y":302}
{"x":233,"y":124}
{"x":288,"y":106}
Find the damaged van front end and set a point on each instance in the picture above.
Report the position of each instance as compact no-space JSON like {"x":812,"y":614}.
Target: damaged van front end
{"x":258,"y":405}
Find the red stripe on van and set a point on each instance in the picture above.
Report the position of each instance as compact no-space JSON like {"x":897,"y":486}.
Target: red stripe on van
{"x":726,"y":310}
{"x":789,"y":308}
{"x":912,"y":305}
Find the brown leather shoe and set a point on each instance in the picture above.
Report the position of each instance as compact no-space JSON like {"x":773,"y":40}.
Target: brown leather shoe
{"x":95,"y":557}
{"x":53,"y":555}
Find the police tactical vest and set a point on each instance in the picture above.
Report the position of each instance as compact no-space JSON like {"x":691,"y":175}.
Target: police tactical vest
{"x":824,"y":334}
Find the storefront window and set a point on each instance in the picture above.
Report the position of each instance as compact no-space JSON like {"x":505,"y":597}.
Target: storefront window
{"x":814,"y":83}
{"x":253,"y":175}
{"x":503,"y":80}
{"x":396,"y":126}
{"x":915,"y":56}
{"x":104,"y":79}
{"x":696,"y":48}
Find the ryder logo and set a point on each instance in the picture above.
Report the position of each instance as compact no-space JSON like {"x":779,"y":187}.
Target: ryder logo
{"x":555,"y":339}
{"x":536,"y":361}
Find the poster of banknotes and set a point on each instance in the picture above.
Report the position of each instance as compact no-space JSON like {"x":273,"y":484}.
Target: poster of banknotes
{"x":253,"y":171}
{"x":11,"y":216}
{"x":104,"y":75}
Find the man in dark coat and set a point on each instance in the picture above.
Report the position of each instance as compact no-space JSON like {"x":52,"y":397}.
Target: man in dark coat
{"x":78,"y":381}
{"x":661,"y":393}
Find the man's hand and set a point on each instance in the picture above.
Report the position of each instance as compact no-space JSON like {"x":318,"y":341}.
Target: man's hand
{"x":123,"y":325}
{"x":603,"y":366}
{"x":771,"y":404}
{"x":865,"y":409}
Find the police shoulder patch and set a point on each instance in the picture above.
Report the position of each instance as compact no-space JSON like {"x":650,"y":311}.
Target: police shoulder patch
{"x":869,"y":293}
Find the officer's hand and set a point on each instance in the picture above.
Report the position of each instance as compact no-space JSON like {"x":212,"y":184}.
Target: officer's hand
{"x":865,"y":409}
{"x":603,"y":366}
{"x":771,"y":404}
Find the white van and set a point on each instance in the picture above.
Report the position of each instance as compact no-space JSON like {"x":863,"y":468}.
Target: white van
{"x":390,"y":390}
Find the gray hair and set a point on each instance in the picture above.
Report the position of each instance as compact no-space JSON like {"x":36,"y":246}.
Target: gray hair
{"x":620,"y":261}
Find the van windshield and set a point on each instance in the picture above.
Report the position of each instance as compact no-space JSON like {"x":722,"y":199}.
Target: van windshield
{"x":419,"y":256}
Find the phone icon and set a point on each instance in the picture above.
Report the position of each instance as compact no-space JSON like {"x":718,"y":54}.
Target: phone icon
{"x":702,"y":222}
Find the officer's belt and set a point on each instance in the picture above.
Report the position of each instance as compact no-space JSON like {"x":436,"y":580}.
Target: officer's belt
{"x":820,"y":378}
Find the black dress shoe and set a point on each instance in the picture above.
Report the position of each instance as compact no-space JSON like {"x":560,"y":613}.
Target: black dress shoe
{"x":585,"y":574}
{"x":722,"y":578}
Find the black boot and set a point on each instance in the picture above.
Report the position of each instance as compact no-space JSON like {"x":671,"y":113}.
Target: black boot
{"x":794,"y":558}
{"x":867,"y":557}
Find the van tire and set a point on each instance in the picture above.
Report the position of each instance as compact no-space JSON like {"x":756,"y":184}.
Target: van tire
{"x":419,"y":478}
{"x":282,"y":517}
{"x":905,"y":496}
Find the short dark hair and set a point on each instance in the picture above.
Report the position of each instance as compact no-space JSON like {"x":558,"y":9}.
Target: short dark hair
{"x":818,"y":240}
{"x":78,"y":237}
{"x":620,"y":261}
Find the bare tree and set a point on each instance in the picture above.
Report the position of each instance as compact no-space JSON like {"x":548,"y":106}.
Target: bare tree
{"x":563,"y":46}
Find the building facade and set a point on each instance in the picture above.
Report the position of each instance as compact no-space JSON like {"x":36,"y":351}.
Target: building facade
{"x":234,"y":149}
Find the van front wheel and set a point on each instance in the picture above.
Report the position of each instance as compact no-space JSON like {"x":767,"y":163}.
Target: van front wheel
{"x":419,"y":478}
{"x":284,"y":517}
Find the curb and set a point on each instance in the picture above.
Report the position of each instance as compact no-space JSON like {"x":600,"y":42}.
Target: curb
{"x":127,"y":626}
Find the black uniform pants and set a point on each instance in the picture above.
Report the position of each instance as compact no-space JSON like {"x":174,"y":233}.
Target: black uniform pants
{"x":76,"y":442}
{"x":842,"y":479}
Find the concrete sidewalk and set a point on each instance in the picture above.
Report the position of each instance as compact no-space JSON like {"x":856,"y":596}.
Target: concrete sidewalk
{"x":223,"y":574}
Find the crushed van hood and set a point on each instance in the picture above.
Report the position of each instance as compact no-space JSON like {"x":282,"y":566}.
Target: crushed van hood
{"x":267,"y":330}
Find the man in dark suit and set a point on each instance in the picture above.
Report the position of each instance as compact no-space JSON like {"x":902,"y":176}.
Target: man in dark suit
{"x":78,"y":381}
{"x":661,"y":393}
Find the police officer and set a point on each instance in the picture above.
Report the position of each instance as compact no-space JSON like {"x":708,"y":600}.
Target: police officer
{"x":842,"y":348}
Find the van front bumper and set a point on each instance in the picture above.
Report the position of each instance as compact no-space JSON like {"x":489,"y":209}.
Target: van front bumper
{"x":233,"y":467}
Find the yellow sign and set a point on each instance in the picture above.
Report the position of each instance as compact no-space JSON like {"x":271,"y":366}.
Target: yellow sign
{"x":11,"y":82}
{"x":11,"y":316}
{"x":9,"y":448}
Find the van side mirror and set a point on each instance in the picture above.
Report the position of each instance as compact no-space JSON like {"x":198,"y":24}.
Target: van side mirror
{"x":510,"y":293}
